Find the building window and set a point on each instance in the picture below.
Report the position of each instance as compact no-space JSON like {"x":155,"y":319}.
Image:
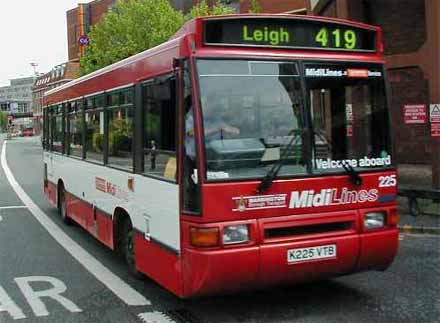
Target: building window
{"x":20,"y":107}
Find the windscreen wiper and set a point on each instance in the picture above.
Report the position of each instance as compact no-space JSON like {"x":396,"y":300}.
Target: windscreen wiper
{"x":354,"y":176}
{"x":267,"y":181}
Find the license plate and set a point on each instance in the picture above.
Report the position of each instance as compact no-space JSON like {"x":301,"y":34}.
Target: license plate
{"x":311,"y":253}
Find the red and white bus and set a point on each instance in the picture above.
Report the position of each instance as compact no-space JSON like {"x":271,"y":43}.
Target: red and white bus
{"x":247,"y":151}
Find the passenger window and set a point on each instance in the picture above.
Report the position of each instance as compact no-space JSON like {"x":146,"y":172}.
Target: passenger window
{"x":94,"y":120}
{"x":75,"y":121}
{"x":46,"y":124}
{"x":120,"y":129}
{"x":57,"y":129}
{"x":160,"y":128}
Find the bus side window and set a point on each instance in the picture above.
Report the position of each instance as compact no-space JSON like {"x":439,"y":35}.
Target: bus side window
{"x":44,"y":128}
{"x":160,"y":128}
{"x":49,"y":128}
{"x":76,"y":125}
{"x":58,"y":129}
{"x":121,"y":129}
{"x":94,"y":129}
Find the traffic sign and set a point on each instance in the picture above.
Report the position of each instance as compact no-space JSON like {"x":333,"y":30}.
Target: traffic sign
{"x":434,"y":113}
{"x":414,"y":113}
{"x":435,"y":129}
{"x":84,"y":40}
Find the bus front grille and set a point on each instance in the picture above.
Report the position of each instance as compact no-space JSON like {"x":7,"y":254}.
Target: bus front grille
{"x":295,"y":231}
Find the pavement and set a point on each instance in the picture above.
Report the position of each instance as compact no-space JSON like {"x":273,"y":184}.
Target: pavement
{"x":420,"y":176}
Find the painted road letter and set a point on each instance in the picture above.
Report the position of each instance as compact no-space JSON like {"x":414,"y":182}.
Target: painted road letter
{"x":8,"y":305}
{"x":34,"y":297}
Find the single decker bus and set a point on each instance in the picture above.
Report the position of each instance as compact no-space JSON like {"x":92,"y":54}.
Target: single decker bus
{"x":248,"y":151}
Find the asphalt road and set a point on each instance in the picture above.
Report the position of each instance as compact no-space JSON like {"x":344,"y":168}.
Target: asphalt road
{"x":40,"y":281}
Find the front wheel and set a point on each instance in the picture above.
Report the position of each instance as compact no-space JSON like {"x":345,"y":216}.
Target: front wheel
{"x":128,"y":248}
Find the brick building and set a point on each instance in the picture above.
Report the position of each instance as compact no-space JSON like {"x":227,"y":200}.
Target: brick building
{"x":58,"y":76}
{"x":16,"y":98}
{"x":412,"y":48}
{"x":242,"y":6}
{"x":79,"y":21}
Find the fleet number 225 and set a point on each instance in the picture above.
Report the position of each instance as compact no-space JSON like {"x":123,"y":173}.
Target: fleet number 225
{"x":387,"y":181}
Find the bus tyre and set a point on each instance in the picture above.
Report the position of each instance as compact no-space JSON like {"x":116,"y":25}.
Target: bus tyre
{"x":127,"y":246}
{"x":62,"y":207}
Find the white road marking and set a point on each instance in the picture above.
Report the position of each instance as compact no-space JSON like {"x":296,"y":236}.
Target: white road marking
{"x":13,"y":207}
{"x":8,"y":305}
{"x":34,"y":297}
{"x":121,"y":289}
{"x":155,"y":317}
{"x":1,"y":218}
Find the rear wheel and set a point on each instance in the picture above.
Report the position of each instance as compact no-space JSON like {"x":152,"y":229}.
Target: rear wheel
{"x":62,"y":206}
{"x":128,"y":248}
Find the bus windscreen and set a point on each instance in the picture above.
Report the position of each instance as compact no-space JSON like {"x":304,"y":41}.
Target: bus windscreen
{"x":252,"y":110}
{"x":254,"y":115}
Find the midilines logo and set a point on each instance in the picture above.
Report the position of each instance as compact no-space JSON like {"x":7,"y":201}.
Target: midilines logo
{"x":331,"y":196}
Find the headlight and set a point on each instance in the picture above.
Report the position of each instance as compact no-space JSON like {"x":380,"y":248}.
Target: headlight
{"x":235,"y":234}
{"x":374,"y":220}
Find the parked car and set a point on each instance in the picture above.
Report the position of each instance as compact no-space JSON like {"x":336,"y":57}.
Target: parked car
{"x":28,"y":132}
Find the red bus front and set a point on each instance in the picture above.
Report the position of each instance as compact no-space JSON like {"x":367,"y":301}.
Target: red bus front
{"x":288,"y":173}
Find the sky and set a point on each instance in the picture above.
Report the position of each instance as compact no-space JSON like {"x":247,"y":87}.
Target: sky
{"x":32,"y":31}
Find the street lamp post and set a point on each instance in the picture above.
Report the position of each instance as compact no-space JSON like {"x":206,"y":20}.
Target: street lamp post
{"x":34,"y":66}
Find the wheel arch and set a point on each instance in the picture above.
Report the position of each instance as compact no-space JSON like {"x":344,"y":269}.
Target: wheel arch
{"x":60,"y":187}
{"x":119,"y":216}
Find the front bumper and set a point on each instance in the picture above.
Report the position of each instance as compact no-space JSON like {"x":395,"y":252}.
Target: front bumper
{"x":224,"y":271}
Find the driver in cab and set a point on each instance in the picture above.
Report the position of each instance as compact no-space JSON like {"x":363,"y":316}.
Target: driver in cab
{"x":214,"y":121}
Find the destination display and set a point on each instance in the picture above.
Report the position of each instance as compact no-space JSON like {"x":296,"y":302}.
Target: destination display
{"x":288,"y":33}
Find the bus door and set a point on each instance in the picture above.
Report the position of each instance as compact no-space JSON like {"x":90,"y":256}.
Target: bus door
{"x":160,"y":160}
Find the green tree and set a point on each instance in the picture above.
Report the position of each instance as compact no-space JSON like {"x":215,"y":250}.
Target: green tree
{"x":3,"y":121}
{"x":129,"y":28}
{"x":133,"y":26}
{"x":202,"y":9}
{"x":255,"y":6}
